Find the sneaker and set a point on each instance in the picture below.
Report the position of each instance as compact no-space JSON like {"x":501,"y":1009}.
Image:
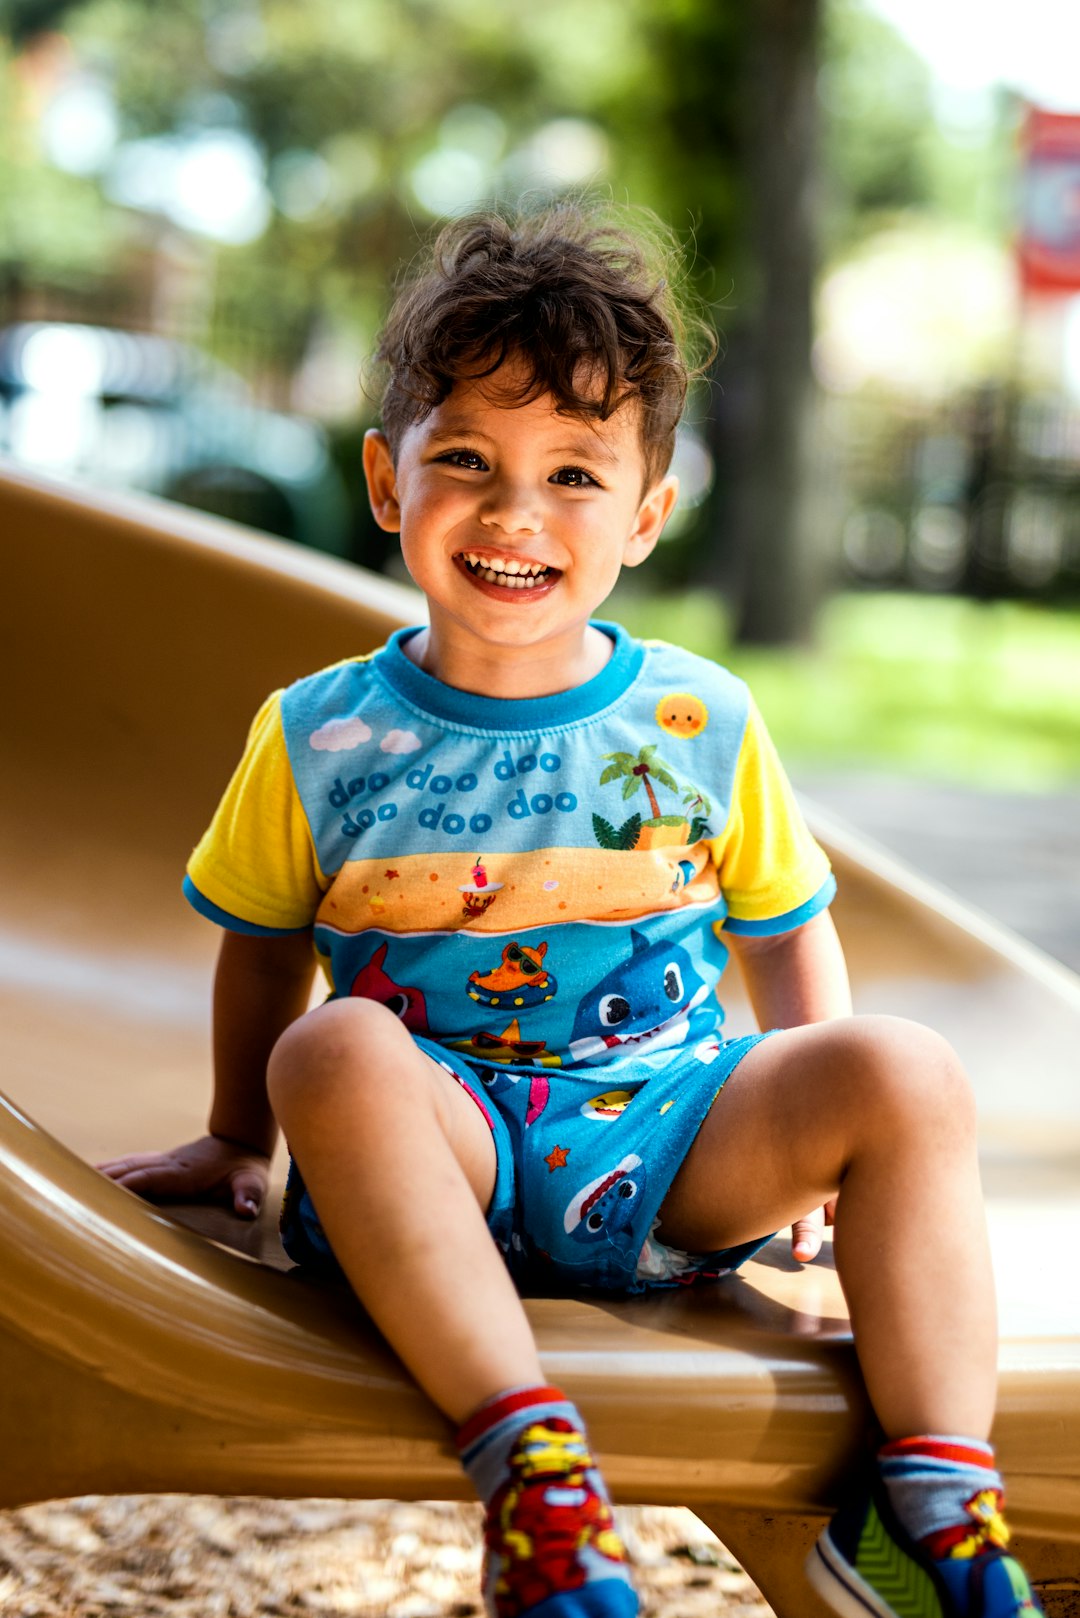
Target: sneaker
{"x":866,"y":1562}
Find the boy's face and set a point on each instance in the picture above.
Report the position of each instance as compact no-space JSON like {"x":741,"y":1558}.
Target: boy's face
{"x":515,"y":521}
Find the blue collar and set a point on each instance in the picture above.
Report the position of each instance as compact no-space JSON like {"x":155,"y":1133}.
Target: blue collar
{"x":513,"y":713}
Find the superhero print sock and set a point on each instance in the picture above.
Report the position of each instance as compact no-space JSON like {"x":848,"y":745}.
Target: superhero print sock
{"x":550,"y":1542}
{"x":946,"y":1493}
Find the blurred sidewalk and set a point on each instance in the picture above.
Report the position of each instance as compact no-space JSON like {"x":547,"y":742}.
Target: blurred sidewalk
{"x":1014,"y":855}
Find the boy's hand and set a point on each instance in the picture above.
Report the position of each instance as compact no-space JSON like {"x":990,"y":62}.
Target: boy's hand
{"x":212,"y":1169}
{"x":806,"y":1234}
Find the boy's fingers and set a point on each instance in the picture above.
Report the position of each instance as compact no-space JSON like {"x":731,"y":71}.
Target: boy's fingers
{"x":124,"y":1165}
{"x":155,"y":1174}
{"x":190,"y":1175}
{"x":148,"y":1163}
{"x":806,"y":1236}
{"x":153,"y":1177}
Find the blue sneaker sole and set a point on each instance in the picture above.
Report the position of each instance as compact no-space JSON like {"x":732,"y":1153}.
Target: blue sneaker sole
{"x":841,"y":1588}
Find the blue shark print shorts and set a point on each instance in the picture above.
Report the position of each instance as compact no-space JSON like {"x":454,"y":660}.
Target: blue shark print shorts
{"x":585,"y":1159}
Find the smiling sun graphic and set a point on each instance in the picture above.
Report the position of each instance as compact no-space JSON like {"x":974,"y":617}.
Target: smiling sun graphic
{"x":682,"y":714}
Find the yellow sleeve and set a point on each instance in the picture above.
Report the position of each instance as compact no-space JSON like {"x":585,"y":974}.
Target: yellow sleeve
{"x":255,"y":868}
{"x":773,"y":875}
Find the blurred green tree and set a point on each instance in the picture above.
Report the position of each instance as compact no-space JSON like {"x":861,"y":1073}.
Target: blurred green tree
{"x":369,"y":119}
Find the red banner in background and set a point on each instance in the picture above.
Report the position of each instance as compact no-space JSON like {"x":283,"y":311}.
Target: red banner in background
{"x":1049,"y":244}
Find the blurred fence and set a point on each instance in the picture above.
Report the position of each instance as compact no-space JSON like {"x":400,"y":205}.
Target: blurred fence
{"x":980,"y":497}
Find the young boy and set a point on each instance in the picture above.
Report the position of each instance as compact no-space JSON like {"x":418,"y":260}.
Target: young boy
{"x":523,"y":845}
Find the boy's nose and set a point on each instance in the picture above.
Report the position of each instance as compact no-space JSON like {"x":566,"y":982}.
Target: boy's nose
{"x":512,"y":511}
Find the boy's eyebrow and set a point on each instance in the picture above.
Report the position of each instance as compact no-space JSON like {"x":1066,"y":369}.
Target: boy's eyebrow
{"x":591,"y":447}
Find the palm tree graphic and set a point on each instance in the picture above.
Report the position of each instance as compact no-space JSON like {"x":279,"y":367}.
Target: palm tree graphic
{"x":636,"y":772}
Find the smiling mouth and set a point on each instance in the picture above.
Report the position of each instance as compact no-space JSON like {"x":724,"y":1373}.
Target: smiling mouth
{"x":507,"y":573}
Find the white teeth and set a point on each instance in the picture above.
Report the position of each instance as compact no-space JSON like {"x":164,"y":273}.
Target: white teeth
{"x":510,"y":574}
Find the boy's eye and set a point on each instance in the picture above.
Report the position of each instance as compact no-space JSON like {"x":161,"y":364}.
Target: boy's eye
{"x":467,"y":459}
{"x":574,"y":477}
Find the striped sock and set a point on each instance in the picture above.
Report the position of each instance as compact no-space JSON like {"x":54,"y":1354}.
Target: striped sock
{"x":947,"y":1494}
{"x":549,"y":1535}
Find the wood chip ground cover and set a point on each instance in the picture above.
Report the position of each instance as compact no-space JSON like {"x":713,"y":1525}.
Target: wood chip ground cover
{"x":178,"y":1556}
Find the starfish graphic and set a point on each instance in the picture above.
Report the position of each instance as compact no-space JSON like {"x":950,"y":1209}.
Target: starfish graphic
{"x":556,"y":1158}
{"x":391,"y":875}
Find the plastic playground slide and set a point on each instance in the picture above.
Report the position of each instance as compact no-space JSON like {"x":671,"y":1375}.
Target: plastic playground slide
{"x":136,"y":1354}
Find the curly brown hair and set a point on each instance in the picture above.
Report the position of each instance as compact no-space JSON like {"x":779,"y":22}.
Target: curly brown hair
{"x":581,"y":302}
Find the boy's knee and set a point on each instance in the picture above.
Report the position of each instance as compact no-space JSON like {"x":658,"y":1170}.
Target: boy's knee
{"x":346,"y":1039}
{"x":914,"y":1075}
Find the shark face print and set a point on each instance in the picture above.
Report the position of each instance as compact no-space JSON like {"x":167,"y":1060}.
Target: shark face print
{"x":643,"y":1004}
{"x":604,"y":1210}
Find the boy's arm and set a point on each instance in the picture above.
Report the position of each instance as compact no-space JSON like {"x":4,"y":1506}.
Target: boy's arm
{"x":794,"y":978}
{"x":261,"y":985}
{"x":791,"y":979}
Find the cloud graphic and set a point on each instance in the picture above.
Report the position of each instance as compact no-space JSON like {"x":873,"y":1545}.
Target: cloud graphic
{"x":400,"y":741}
{"x":339,"y":735}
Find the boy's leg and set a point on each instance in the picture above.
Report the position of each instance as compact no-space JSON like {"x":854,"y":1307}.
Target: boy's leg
{"x":400,"y":1164}
{"x":879,"y":1110}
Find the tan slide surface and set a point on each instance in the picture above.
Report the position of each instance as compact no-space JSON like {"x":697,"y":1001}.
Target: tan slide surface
{"x":138,"y":640}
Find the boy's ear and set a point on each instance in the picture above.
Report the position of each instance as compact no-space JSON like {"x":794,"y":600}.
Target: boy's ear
{"x":653,"y":513}
{"x":381,"y":481}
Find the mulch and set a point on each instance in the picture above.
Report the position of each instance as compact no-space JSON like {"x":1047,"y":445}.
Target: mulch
{"x":198,"y":1556}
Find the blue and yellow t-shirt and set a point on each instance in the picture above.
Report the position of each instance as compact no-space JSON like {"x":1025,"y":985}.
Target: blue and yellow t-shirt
{"x":545,"y":880}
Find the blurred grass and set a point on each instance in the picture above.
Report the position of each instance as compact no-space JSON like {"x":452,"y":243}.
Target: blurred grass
{"x":987,"y":694}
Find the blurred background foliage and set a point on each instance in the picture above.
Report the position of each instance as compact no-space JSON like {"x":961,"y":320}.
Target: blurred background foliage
{"x":245,"y":178}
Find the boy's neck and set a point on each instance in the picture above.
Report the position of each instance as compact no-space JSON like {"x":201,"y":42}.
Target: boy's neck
{"x":510,"y":671}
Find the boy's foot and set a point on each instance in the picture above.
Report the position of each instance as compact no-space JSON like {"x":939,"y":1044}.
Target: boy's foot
{"x":550,"y":1541}
{"x":867,"y":1563}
